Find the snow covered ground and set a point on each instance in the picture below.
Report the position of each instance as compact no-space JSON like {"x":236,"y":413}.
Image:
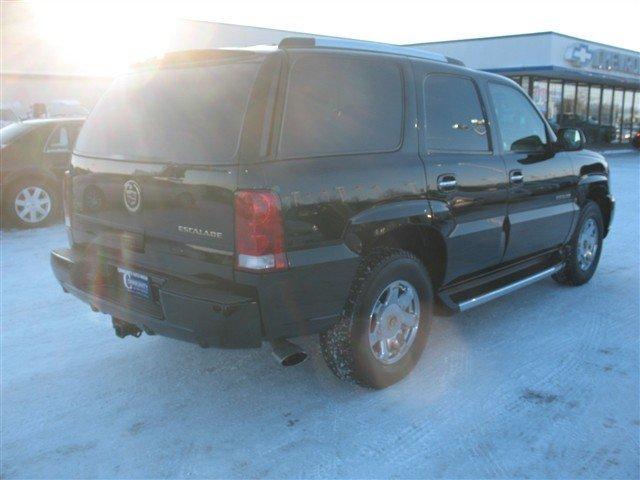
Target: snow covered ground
{"x":543,"y":383}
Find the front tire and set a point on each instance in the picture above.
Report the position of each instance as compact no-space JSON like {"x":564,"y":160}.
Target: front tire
{"x":385,"y":323}
{"x":30,"y":203}
{"x":585,"y":248}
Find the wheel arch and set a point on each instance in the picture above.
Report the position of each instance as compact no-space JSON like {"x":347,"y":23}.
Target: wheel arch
{"x":423,"y":241}
{"x":406,"y":225}
{"x":595,"y":187}
{"x":30,"y":173}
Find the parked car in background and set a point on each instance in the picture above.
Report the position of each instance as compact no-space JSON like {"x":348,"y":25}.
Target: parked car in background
{"x":635,"y":139}
{"x":35,"y":155}
{"x":7,"y":117}
{"x":339,"y":188}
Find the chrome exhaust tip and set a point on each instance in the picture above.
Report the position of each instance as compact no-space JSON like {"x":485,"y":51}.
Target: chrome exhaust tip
{"x":287,"y":354}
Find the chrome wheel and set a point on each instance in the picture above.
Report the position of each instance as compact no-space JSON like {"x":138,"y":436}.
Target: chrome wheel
{"x":587,"y":244}
{"x":32,"y":204}
{"x":394,"y":322}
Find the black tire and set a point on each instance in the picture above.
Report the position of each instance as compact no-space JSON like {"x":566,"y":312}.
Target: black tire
{"x":572,"y":273}
{"x":345,"y":346}
{"x":11,"y":194}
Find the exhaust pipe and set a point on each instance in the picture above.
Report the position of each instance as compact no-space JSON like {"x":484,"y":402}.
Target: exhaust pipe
{"x":287,"y":354}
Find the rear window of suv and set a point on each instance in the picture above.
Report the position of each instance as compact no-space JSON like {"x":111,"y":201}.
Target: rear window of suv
{"x":185,"y":115}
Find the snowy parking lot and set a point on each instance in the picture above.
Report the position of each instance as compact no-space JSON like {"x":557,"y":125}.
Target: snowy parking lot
{"x":542,"y":383}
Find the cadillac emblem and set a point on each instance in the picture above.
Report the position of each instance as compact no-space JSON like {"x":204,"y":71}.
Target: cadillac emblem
{"x":132,"y":196}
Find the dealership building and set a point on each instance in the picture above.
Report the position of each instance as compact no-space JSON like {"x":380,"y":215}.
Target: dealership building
{"x":574,"y":82}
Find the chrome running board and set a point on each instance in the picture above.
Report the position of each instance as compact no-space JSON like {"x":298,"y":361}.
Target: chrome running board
{"x":512,"y":287}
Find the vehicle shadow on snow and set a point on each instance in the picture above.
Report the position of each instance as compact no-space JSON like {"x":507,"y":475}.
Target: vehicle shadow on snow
{"x":216,"y":370}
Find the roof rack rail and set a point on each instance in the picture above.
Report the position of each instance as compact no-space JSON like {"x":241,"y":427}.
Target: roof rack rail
{"x":311,"y":42}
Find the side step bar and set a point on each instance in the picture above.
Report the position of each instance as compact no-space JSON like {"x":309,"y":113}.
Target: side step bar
{"x":512,"y":287}
{"x":499,"y":292}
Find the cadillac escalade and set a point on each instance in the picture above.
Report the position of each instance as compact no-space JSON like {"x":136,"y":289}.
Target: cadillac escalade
{"x":346,"y":189}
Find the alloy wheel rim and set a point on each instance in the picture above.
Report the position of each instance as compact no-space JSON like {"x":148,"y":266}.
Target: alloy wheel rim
{"x":32,"y":204}
{"x":587,"y":244}
{"x":394,"y":321}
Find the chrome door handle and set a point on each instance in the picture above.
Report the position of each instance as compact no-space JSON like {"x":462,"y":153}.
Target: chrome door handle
{"x":515,"y":176}
{"x":447,"y":182}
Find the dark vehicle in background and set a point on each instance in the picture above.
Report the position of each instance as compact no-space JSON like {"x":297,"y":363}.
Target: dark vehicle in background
{"x":594,"y":132}
{"x":635,"y":139}
{"x":345,"y":189}
{"x":35,"y":155}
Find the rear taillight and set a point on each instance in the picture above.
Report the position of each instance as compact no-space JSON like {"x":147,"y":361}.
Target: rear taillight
{"x":66,"y":198}
{"x":259,"y":231}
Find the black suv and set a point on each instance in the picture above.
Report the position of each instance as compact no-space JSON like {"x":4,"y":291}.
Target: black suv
{"x":345,"y":189}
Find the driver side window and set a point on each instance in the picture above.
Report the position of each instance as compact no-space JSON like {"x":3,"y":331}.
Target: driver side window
{"x":521,"y":128}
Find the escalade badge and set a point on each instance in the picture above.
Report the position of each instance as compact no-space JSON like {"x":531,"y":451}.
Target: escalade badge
{"x":199,"y":231}
{"x":132,"y":196}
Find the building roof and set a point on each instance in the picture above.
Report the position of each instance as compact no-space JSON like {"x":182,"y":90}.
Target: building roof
{"x":547,"y":54}
{"x":532,"y":34}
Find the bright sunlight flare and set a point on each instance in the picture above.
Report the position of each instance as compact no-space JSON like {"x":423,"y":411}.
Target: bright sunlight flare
{"x":104,"y":37}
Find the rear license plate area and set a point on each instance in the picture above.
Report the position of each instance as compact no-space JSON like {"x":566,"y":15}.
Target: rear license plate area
{"x":135,"y":283}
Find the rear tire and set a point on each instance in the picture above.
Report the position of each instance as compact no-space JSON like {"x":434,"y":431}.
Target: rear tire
{"x":353,"y":348}
{"x":30,"y":203}
{"x":585,"y":248}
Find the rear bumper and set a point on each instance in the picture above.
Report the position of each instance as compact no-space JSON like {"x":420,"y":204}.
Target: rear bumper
{"x":207,"y":315}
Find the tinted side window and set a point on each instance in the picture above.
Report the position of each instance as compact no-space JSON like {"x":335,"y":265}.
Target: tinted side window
{"x":340,"y":105}
{"x":521,"y":128}
{"x":454,"y":118}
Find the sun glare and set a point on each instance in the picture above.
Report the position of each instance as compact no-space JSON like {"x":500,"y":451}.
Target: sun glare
{"x":104,"y":37}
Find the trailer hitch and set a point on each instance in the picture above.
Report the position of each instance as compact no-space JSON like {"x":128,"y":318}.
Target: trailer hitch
{"x":123,"y":328}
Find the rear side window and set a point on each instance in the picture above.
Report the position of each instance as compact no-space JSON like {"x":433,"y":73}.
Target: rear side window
{"x":184,"y":115}
{"x":454,"y":117}
{"x":341,"y":105}
{"x":521,"y":128}
{"x":62,"y":138}
{"x":58,"y":140}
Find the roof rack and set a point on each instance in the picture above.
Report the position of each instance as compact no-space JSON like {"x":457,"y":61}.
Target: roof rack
{"x":310,"y":42}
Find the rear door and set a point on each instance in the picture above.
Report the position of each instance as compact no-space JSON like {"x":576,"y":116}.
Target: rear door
{"x":466,"y":180}
{"x":541,"y":181}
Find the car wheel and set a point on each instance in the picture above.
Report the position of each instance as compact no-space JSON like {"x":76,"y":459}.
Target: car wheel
{"x":584,"y":248}
{"x":384,"y":327}
{"x":30,"y":203}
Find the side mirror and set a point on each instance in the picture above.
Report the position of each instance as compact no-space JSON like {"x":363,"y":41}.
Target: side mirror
{"x":571,"y":139}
